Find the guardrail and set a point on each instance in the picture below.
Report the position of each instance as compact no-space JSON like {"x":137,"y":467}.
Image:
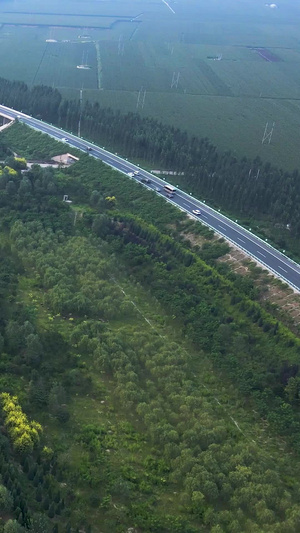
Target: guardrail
{"x":201,"y":204}
{"x":244,"y":250}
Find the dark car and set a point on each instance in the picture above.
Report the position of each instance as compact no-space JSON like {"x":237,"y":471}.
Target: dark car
{"x":89,"y":149}
{"x":145,"y":180}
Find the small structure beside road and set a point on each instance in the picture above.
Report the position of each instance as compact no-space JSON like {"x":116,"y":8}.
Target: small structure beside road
{"x":65,"y":159}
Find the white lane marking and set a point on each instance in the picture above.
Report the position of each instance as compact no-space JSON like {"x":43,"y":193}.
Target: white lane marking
{"x":222,"y":227}
{"x":269,"y":249}
{"x":238,"y":238}
{"x":204,"y":216}
{"x":51,"y":130}
{"x":257,"y":251}
{"x":282,"y":269}
{"x":187,"y":205}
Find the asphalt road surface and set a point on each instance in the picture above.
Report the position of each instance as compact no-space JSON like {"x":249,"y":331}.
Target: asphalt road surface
{"x":261,"y":251}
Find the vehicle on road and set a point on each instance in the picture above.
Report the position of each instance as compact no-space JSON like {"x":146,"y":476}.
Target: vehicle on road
{"x":272,"y":259}
{"x":196,"y":212}
{"x":169,"y":189}
{"x":157,"y":189}
{"x":89,"y":149}
{"x":136,"y":172}
{"x":145,"y":180}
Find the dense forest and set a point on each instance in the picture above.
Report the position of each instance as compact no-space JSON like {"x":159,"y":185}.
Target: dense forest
{"x":242,"y":187}
{"x":141,"y":386}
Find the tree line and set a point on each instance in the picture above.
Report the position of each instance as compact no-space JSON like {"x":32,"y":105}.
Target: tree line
{"x":31,"y":495}
{"x":179,"y":464}
{"x":248,"y":188}
{"x":225,"y":483}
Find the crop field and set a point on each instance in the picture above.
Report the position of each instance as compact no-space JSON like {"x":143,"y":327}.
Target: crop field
{"x":235,"y":124}
{"x":60,"y":63}
{"x":219,"y":70}
{"x":51,"y":63}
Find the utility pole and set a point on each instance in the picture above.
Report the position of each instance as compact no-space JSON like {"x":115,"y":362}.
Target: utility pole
{"x":121,"y":46}
{"x":143,"y":102}
{"x":175,"y":80}
{"x":141,"y":98}
{"x":257,"y":174}
{"x":80,"y":112}
{"x":170,"y":48}
{"x":268,"y":133}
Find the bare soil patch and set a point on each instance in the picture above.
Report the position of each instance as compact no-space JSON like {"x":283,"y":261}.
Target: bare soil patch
{"x":285,"y":302}
{"x":277,"y":297}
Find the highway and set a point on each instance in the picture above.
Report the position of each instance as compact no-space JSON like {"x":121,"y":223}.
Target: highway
{"x":259,"y":250}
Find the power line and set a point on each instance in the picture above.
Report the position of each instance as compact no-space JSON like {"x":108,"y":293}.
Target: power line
{"x":80,"y":114}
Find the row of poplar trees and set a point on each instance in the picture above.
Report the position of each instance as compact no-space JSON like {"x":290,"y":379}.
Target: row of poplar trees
{"x":246,"y":187}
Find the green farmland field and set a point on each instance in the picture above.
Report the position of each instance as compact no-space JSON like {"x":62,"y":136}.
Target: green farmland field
{"x":60,"y":62}
{"x":196,"y":61}
{"x":51,"y":63}
{"x":232,"y":123}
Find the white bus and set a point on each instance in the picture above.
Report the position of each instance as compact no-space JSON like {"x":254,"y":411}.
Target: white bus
{"x":169,"y":189}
